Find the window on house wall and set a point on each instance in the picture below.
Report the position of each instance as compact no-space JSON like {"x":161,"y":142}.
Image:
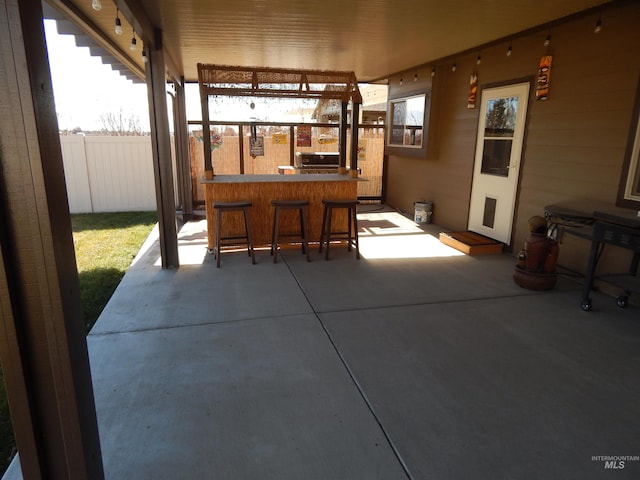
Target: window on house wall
{"x":632,"y":190}
{"x":629,"y":189}
{"x":407,"y":117}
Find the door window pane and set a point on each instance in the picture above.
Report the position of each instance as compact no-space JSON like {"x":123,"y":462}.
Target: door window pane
{"x":500,"y":119}
{"x":496,"y":157}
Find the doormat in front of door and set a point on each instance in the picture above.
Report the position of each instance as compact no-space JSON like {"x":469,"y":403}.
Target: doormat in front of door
{"x":471,"y":243}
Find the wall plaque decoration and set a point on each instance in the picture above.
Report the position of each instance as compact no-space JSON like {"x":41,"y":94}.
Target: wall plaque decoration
{"x":473,"y":90}
{"x":544,"y":73}
{"x":256,"y":145}
{"x":279,"y":138}
{"x":303,"y":137}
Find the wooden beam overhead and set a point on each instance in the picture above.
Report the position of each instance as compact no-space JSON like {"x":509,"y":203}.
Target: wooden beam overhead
{"x":276,"y":82}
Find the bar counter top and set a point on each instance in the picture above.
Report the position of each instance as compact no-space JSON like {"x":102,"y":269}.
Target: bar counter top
{"x":304,"y":178}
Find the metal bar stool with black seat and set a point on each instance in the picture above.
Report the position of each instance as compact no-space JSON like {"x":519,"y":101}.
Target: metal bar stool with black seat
{"x":233,"y":240}
{"x":301,"y":206}
{"x":351,"y":235}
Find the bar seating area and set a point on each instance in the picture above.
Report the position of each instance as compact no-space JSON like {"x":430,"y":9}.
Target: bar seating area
{"x":339,"y":224}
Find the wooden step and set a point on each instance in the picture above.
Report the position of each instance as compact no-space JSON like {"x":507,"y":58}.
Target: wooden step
{"x":471,"y":243}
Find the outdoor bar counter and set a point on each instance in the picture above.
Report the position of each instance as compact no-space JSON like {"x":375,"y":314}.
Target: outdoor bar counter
{"x":261,"y":189}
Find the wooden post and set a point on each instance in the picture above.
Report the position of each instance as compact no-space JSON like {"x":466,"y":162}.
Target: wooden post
{"x":161,"y":148}
{"x":43,"y":337}
{"x":182,"y":152}
{"x":206,"y":132}
{"x":343,"y":137}
{"x":292,"y":145}
{"x":355,"y":132}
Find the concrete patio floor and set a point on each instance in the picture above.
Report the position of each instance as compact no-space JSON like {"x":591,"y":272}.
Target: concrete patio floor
{"x":413,"y":362}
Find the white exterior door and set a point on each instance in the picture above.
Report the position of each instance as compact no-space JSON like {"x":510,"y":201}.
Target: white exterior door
{"x":497,"y":163}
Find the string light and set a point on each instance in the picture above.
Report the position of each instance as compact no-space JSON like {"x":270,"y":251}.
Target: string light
{"x":134,"y":43}
{"x":598,"y":27}
{"x":547,"y":40}
{"x":509,"y":50}
{"x":144,"y":56}
{"x":401,"y":80}
{"x":415,"y":77}
{"x":118,"y":24}
{"x":478,"y":60}
{"x":96,"y":5}
{"x":433,"y":71}
{"x":453,"y":67}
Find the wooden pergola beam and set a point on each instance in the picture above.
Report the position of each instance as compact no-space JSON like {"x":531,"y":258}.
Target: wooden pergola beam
{"x":229,"y":80}
{"x":237,"y":81}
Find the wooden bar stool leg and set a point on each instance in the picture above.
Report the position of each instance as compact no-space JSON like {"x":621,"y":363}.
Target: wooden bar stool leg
{"x":274,"y":235}
{"x":305,"y":233}
{"x":349,"y":219}
{"x":302,"y":237}
{"x":329,"y":217}
{"x":247,"y":226}
{"x":216,"y":250}
{"x":355,"y":228}
{"x":322,"y":229}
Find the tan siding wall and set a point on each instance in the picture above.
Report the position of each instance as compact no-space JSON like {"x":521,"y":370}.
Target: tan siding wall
{"x":575,"y":141}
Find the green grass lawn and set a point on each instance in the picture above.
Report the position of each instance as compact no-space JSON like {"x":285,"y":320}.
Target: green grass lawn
{"x":105,"y":244}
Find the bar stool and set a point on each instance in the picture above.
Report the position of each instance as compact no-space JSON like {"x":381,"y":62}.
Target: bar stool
{"x":222,"y":241}
{"x":301,"y":206}
{"x":351,"y":235}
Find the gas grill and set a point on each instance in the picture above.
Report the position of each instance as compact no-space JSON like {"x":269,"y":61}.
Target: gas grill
{"x":317,"y":162}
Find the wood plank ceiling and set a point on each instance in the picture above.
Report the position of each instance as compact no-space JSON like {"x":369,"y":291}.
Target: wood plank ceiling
{"x":373,"y":38}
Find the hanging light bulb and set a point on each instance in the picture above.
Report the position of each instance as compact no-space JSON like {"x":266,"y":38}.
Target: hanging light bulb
{"x":509,"y":50}
{"x":453,"y":67}
{"x":118,"y":24}
{"x":96,"y":5}
{"x":433,"y":72}
{"x":144,"y":56}
{"x":134,"y":43}
{"x":547,"y":40}
{"x":415,"y":77}
{"x":478,"y":60}
{"x":401,"y":80}
{"x":598,"y":27}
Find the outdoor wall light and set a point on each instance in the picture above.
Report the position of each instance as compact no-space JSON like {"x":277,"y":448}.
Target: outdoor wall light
{"x":118,"y":24}
{"x":96,"y":5}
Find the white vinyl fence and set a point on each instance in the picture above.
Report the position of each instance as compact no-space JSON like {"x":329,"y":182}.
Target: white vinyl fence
{"x":108,"y":174}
